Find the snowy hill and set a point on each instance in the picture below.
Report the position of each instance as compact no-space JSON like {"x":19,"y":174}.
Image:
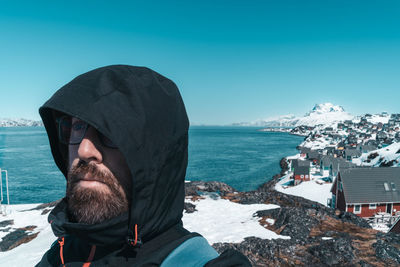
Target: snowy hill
{"x":326,"y":114}
{"x":385,"y":157}
{"x":19,"y":122}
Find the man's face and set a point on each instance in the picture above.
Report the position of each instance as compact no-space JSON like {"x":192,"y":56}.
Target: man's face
{"x":99,"y":180}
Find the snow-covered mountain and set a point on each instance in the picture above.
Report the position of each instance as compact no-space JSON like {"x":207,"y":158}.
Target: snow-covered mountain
{"x":326,"y":114}
{"x":325,"y":108}
{"x":18,"y":122}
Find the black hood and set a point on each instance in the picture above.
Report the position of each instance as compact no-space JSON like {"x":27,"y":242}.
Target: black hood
{"x":142,"y":112}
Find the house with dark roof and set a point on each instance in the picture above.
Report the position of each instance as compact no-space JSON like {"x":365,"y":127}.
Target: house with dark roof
{"x":351,"y":153}
{"x":326,"y":164}
{"x":330,"y":166}
{"x":366,"y":148}
{"x":367,"y":191}
{"x":314,"y":156}
{"x":304,"y":151}
{"x":338,"y":165}
{"x":301,"y":173}
{"x":299,"y":162}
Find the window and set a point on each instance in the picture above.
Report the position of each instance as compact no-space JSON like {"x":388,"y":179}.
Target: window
{"x":372,"y":206}
{"x":306,"y":175}
{"x":302,"y":176}
{"x":357,"y":209}
{"x":386,"y":185}
{"x":341,"y":186}
{"x":393,"y":186}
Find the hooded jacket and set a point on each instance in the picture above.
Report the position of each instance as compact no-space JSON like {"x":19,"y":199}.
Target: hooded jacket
{"x":142,"y":112}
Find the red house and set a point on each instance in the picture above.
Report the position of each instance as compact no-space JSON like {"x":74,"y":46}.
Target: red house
{"x":367,"y":191}
{"x":301,"y":173}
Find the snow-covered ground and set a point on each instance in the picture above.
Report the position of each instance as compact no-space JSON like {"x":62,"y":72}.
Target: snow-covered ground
{"x":30,"y":253}
{"x":225,"y":221}
{"x":319,"y":143}
{"x":315,"y":190}
{"x":218,"y":220}
{"x":376,"y":118}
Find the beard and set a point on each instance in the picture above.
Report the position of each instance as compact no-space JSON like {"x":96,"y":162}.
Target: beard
{"x":92,"y":205}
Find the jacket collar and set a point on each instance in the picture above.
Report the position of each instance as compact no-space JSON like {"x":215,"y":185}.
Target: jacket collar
{"x":110,"y":232}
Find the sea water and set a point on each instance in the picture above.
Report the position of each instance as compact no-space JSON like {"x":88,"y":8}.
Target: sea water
{"x":239,"y":156}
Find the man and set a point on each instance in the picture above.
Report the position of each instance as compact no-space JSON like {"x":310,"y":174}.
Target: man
{"x":119,"y":134}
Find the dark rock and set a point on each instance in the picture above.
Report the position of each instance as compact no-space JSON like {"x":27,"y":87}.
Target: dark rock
{"x":388,"y":163}
{"x":333,"y":252}
{"x":16,"y":238}
{"x":372,"y":155}
{"x":263,"y":252}
{"x":6,"y":223}
{"x":268,"y":186}
{"x":45,"y":211}
{"x":46,"y":205}
{"x":354,"y":219}
{"x":387,"y":247}
{"x":194,"y":187}
{"x":284,"y":165}
{"x":294,"y":222}
{"x":189,"y":207}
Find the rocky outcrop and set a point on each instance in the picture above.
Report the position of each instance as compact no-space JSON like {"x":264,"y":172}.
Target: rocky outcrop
{"x":197,"y":188}
{"x":17,"y":237}
{"x":320,"y":236}
{"x":189,"y":207}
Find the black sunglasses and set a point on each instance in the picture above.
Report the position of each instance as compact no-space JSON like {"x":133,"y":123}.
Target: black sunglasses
{"x":72,"y":133}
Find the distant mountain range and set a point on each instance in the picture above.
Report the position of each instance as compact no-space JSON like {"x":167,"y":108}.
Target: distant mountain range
{"x":326,"y":114}
{"x":19,"y":122}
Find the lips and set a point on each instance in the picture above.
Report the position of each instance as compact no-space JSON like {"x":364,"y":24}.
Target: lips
{"x":88,"y":178}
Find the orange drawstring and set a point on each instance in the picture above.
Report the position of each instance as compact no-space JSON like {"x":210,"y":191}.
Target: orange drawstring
{"x":88,"y":261}
{"x":61,"y":242}
{"x":136,"y":237}
{"x":91,"y":256}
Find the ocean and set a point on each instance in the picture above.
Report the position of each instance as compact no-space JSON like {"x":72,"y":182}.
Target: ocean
{"x":239,"y":156}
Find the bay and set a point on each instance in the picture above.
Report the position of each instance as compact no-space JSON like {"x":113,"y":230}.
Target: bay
{"x":239,"y":156}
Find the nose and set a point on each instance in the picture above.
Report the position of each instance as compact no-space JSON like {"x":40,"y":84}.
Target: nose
{"x":87,"y":150}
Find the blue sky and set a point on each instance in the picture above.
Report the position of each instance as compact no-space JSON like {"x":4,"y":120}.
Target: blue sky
{"x":232,"y":60}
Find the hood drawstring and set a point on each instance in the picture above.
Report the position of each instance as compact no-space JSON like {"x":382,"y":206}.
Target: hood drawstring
{"x":91,"y":256}
{"x":89,"y":259}
{"x":61,"y":242}
{"x":135,"y":241}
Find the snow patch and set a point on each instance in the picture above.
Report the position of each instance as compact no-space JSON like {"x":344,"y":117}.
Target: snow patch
{"x":224,"y":221}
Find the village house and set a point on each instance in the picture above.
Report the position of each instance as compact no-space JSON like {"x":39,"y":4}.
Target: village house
{"x":351,"y":153}
{"x":314,"y":157}
{"x":301,"y":173}
{"x":367,"y":191}
{"x":330,"y":166}
{"x":299,"y":162}
{"x":366,"y":148}
{"x":304,"y":151}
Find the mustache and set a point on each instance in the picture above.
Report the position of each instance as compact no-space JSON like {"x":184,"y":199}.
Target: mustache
{"x":80,"y":170}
